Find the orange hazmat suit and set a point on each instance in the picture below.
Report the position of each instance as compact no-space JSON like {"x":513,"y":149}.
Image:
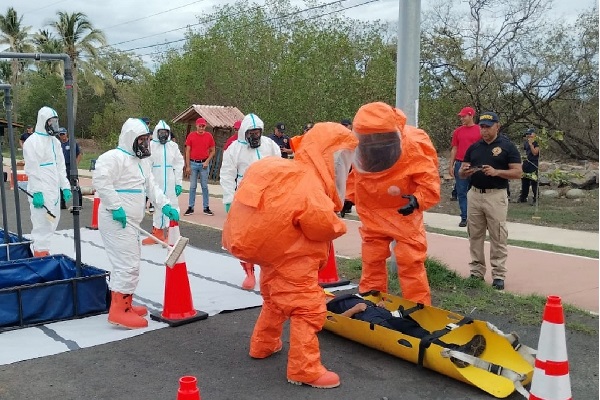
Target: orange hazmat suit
{"x":283,"y":218}
{"x":386,"y":169}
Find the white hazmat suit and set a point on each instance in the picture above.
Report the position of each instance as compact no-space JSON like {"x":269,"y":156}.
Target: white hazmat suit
{"x":237,"y":158}
{"x":167,"y":167}
{"x":46,"y":174}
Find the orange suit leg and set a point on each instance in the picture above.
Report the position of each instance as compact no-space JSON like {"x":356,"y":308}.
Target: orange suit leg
{"x":412,"y":275}
{"x":266,"y":337}
{"x":304,"y":357}
{"x":375,"y":252}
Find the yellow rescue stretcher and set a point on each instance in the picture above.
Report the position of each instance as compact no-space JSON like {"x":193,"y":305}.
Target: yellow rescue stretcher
{"x":503,"y":367}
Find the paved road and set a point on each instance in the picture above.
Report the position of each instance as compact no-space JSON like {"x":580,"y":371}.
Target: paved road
{"x":148,"y":367}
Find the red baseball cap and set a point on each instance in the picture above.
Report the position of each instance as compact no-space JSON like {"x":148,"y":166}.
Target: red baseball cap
{"x":466,"y":111}
{"x":237,"y":124}
{"x":201,"y":121}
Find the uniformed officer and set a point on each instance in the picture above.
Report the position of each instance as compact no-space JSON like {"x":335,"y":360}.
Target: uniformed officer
{"x":490,"y":163}
{"x":282,"y":140}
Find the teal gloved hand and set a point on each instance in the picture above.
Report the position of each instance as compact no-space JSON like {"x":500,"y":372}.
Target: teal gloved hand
{"x":227,"y":207}
{"x":119,"y":216}
{"x":178,"y":190}
{"x":171,"y":213}
{"x":38,"y":200}
{"x":67,"y":194}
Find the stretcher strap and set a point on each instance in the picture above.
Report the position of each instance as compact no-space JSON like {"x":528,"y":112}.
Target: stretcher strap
{"x":404,"y":313}
{"x":495,"y":369}
{"x":427,"y":340}
{"x":525,"y":351}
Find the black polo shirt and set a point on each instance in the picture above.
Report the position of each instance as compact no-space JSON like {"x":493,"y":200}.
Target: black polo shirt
{"x":498,"y":155}
{"x":282,"y":142}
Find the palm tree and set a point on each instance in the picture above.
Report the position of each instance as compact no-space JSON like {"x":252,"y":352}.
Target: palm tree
{"x":45,"y":42}
{"x":16,"y":36}
{"x":80,"y":41}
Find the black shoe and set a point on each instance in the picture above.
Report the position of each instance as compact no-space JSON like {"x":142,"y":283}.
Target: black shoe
{"x":189,"y":211}
{"x":463,"y":223}
{"x":375,"y":293}
{"x":474,"y":347}
{"x":498,"y":284}
{"x":453,"y":198}
{"x":207,"y":211}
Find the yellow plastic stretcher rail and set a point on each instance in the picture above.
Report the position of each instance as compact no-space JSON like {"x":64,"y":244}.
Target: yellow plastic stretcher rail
{"x":499,"y":371}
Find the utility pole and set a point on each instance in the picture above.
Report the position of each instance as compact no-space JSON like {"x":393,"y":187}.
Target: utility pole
{"x":408,"y":59}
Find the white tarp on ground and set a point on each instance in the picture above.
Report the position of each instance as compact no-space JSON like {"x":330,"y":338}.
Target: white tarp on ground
{"x":215,"y":282}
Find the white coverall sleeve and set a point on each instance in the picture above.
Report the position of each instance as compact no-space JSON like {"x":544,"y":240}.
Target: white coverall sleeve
{"x":154,"y":192}
{"x":107,"y":170}
{"x":32,"y":166}
{"x":61,"y":166}
{"x":229,"y":172}
{"x":178,"y":164}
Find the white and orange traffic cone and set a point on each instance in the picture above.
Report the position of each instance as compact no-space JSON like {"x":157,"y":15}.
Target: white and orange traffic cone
{"x":178,"y":305}
{"x":551,"y":374}
{"x":94,"y":224}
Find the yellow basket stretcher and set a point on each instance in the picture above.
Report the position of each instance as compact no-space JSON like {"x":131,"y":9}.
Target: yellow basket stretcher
{"x":503,"y":367}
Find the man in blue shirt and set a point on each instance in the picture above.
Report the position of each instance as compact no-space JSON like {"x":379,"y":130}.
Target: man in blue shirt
{"x":66,"y":148}
{"x":282,"y":140}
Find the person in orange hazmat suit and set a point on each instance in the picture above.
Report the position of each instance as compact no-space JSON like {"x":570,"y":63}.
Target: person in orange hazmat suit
{"x":293,"y":205}
{"x":396,"y":171}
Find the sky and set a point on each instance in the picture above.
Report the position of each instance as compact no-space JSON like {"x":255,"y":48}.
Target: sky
{"x":136,"y":25}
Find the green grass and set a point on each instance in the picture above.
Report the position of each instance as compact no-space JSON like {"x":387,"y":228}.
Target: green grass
{"x":450,"y":291}
{"x":526,"y":244}
{"x":86,"y":159}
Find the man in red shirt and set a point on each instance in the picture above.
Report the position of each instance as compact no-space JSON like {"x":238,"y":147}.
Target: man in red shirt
{"x":233,"y":138}
{"x":463,"y":137}
{"x":199,"y":150}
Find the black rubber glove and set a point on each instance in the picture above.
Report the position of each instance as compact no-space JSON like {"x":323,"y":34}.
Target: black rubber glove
{"x":410,"y":207}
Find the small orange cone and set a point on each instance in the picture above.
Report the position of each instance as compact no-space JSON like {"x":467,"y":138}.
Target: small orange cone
{"x":178,"y":307}
{"x":551,"y":374}
{"x":188,"y":388}
{"x":94,"y":224}
{"x":328,"y":275}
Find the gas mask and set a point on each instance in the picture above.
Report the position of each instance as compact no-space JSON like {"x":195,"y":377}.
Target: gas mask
{"x":52,"y":127}
{"x":141,"y":146}
{"x":377,"y":152}
{"x":163,"y":135}
{"x":253,"y":137}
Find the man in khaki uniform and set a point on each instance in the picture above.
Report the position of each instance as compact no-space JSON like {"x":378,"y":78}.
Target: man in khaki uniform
{"x":490,"y":163}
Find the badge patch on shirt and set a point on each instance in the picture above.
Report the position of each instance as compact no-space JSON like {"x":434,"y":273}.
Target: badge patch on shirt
{"x":496,"y":151}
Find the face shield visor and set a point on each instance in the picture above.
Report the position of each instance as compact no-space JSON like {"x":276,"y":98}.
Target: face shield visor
{"x":377,"y":152}
{"x":342,"y":162}
{"x":52,"y":127}
{"x":141,"y":146}
{"x":163,"y":135}
{"x":253,"y":137}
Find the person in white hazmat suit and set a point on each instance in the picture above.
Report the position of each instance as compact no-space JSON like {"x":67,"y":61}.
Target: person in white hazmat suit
{"x":250,"y":146}
{"x":123,"y":180}
{"x":46,"y":174}
{"x":167,"y":167}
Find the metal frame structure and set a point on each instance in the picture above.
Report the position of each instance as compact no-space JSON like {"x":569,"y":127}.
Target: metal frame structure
{"x":74,"y":181}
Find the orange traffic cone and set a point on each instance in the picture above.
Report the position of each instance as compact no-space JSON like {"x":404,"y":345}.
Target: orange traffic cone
{"x":188,"y":388}
{"x":178,"y":307}
{"x":551,"y":374}
{"x":94,"y":224}
{"x":328,"y":276}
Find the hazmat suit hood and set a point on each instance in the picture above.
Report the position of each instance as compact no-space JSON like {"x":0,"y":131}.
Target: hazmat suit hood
{"x":250,"y":121}
{"x":132,"y":128}
{"x":378,"y":127}
{"x":324,"y":148}
{"x":161,"y":125}
{"x":44,"y":114}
